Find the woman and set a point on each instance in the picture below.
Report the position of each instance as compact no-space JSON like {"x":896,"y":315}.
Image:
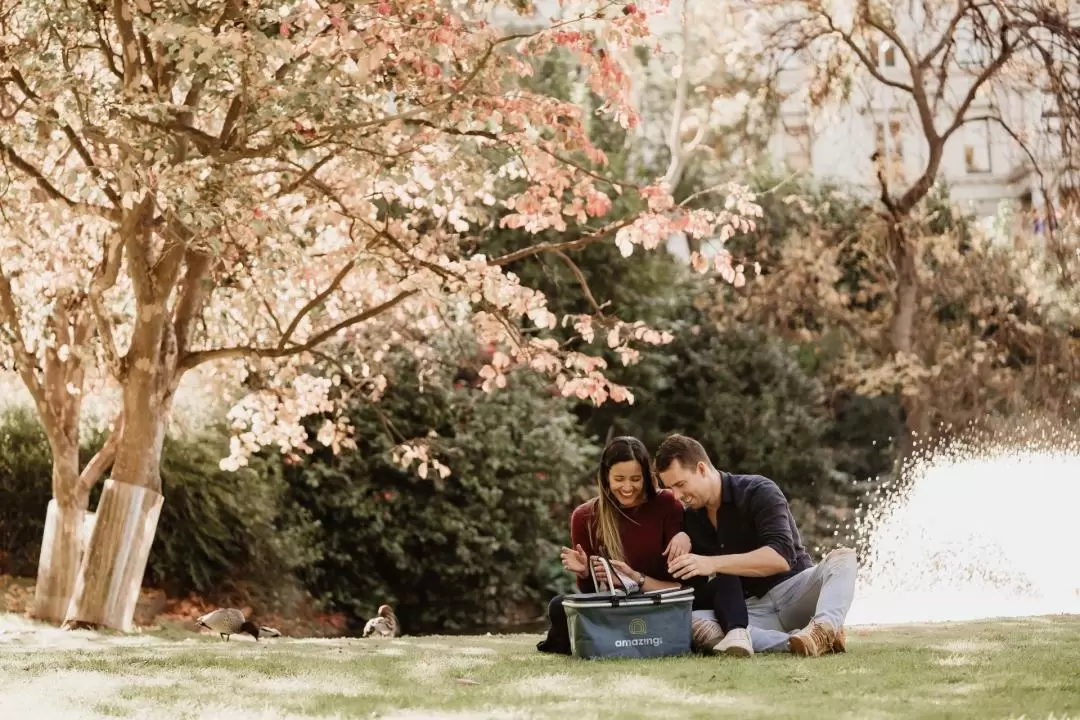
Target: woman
{"x":631,"y":522}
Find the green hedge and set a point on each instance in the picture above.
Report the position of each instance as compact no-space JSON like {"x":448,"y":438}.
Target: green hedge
{"x":216,"y":529}
{"x":453,"y":553}
{"x":25,"y":491}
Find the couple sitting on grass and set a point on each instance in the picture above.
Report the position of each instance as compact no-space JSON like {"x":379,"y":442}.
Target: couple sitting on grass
{"x":756,"y":588}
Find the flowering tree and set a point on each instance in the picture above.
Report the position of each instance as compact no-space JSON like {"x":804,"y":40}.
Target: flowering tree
{"x":227,"y":187}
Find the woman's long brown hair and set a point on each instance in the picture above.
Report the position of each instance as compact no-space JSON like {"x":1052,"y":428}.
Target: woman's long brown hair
{"x":606,"y":508}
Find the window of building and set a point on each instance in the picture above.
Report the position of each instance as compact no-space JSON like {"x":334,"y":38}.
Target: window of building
{"x":796,"y":147}
{"x":895,"y":144}
{"x":977,"y":155}
{"x":888,"y":58}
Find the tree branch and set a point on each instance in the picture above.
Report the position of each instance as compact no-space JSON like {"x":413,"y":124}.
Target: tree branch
{"x":36,"y":174}
{"x":947,"y":37}
{"x":984,"y":76}
{"x":24,"y":361}
{"x":73,"y":138}
{"x":129,"y":45}
{"x":581,"y":242}
{"x":868,"y":63}
{"x":917,"y":87}
{"x":191,"y":360}
{"x":311,"y":304}
{"x":103,"y":458}
{"x":136,"y":241}
{"x":582,"y":281}
{"x":192,"y":296}
{"x":105,"y":278}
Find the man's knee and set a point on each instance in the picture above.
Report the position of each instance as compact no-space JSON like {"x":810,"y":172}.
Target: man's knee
{"x":842,"y":558}
{"x":555,"y":607}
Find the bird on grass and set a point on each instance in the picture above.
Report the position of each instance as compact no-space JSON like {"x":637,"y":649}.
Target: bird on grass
{"x":384,"y":624}
{"x":230,"y":621}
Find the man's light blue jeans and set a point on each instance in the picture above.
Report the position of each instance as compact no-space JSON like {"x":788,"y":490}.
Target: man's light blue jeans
{"x":824,"y":593}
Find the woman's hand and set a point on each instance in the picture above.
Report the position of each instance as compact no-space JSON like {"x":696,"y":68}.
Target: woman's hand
{"x":679,"y":546}
{"x":623,"y":568}
{"x":576,"y":561}
{"x":620,"y":568}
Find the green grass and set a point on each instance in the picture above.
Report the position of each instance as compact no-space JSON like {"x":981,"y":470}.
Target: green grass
{"x":998,"y":669}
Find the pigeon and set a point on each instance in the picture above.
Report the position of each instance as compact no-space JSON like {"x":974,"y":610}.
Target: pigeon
{"x":384,"y":624}
{"x":230,"y":621}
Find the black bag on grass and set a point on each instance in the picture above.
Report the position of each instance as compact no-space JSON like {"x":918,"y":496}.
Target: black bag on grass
{"x":634,"y":624}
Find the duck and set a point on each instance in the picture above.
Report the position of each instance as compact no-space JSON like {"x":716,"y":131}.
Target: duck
{"x":230,"y":621}
{"x":384,"y":624}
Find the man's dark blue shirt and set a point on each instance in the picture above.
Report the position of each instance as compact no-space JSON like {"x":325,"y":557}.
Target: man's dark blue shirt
{"x":753,"y":513}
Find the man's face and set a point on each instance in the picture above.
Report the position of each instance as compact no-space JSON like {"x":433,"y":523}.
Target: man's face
{"x":689,"y":484}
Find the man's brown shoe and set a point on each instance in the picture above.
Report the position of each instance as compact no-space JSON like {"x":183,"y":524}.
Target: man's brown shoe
{"x":705,"y":634}
{"x":839,"y":643}
{"x":813,"y":640}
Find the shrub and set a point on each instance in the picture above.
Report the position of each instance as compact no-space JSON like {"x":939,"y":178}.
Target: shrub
{"x":463,"y":551}
{"x":216,"y":529}
{"x":25,"y":490}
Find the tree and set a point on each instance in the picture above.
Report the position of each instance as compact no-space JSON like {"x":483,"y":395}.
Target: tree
{"x":949,"y":64}
{"x":998,"y":327}
{"x":225,"y":187}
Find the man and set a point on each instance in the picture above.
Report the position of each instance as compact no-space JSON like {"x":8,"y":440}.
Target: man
{"x":741,"y":525}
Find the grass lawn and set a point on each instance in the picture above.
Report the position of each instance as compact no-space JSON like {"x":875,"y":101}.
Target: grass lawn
{"x":995,"y":669}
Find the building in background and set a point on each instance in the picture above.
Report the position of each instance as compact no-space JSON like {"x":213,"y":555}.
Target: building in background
{"x":984,"y":167}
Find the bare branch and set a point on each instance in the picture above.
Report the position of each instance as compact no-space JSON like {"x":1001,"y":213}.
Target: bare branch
{"x":315,"y":301}
{"x":984,"y":76}
{"x":947,"y":36}
{"x":194,"y":359}
{"x":581,"y":242}
{"x":867,"y":62}
{"x":582,"y":281}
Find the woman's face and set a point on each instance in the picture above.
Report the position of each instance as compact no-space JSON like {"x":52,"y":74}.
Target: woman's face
{"x":627,"y":483}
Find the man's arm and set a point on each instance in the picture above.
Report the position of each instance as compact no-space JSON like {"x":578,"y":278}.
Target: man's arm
{"x":769,"y":509}
{"x":763,"y":562}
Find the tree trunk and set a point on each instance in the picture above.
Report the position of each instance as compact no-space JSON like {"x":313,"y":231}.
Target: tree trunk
{"x":112,"y":570}
{"x":907,"y":293}
{"x":64,"y":538}
{"x":902,"y":338}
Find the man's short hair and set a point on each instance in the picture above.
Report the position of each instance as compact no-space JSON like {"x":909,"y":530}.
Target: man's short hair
{"x":688,"y":451}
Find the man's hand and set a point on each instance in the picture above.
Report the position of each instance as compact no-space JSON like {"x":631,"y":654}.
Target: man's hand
{"x":689,"y":566}
{"x":576,"y":561}
{"x":679,"y":546}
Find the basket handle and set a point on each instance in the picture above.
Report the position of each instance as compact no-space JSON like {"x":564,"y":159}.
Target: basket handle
{"x":611,"y":573}
{"x":608,"y":570}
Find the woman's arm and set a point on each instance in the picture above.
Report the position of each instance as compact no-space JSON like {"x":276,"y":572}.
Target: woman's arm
{"x":652,"y":584}
{"x":580,"y":534}
{"x":648,"y":584}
